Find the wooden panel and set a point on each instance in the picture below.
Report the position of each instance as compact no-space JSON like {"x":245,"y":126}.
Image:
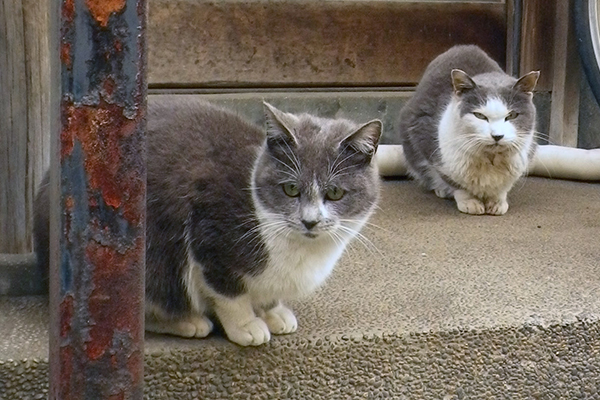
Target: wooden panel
{"x":24,"y":116}
{"x":537,"y":39}
{"x":13,"y":130}
{"x":311,"y":43}
{"x":564,"y":117}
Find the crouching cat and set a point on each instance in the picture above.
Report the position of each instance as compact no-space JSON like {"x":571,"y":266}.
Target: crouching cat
{"x":239,"y":220}
{"x":468,"y":131}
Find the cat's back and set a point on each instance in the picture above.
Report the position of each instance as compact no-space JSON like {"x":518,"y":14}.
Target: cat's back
{"x":435,"y":88}
{"x":469,"y":58}
{"x":190,"y":131}
{"x":191,"y":140}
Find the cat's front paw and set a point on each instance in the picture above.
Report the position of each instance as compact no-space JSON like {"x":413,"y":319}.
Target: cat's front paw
{"x":197,"y":326}
{"x":444,"y":193}
{"x":252,"y":333}
{"x":471,"y":206}
{"x":499,"y":207}
{"x":280,"y":320}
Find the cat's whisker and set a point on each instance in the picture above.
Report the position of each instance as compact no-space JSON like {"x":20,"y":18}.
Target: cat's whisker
{"x":336,"y":238}
{"x":341,"y":172}
{"x":293,"y":158}
{"x":367,"y":225}
{"x":337,"y":161}
{"x":545,"y":167}
{"x":293,"y":172}
{"x":469,"y":146}
{"x":261,"y":226}
{"x":359,"y":237}
{"x":334,"y":172}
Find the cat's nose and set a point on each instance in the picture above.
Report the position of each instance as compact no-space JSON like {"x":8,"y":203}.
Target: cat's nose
{"x":309,"y":224}
{"x":497,"y":137}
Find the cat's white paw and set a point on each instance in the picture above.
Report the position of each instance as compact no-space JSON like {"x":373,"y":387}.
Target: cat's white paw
{"x":253,"y":333}
{"x":471,"y":206}
{"x":499,"y":207}
{"x":197,"y":326}
{"x":203,"y":325}
{"x":281,"y":320}
{"x":445,"y":193}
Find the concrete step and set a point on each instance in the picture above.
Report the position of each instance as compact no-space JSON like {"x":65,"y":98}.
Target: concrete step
{"x":437,"y":305}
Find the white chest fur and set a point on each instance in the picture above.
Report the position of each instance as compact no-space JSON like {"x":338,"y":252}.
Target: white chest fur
{"x":296,"y":267}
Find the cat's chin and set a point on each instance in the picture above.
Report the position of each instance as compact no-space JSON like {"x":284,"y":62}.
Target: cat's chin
{"x":498,"y":148}
{"x":310,"y":235}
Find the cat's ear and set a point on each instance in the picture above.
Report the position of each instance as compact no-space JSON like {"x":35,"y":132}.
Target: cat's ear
{"x":365,"y":139}
{"x":461,"y":81}
{"x":278,"y":125}
{"x":527,"y":83}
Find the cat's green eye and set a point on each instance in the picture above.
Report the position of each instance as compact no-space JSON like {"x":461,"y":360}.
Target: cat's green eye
{"x":511,"y":115}
{"x":291,"y":189}
{"x":334,"y":194}
{"x":480,"y":116}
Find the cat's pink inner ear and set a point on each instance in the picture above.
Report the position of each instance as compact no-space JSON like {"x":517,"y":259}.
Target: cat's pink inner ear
{"x":527,"y":82}
{"x":461,"y":81}
{"x":366,"y":138}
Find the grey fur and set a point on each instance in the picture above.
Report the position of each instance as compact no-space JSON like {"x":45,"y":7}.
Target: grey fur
{"x":469,"y":77}
{"x":208,"y":170}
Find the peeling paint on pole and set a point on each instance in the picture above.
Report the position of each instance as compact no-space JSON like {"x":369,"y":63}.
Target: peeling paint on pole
{"x":97,"y":288}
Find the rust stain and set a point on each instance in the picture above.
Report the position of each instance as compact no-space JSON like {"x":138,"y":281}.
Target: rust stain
{"x":135,"y":199}
{"x":67,"y":135}
{"x":69,"y":204}
{"x":114,"y":280}
{"x":109,"y":87}
{"x":66,"y":371}
{"x":68,"y":10}
{"x":100,"y":131}
{"x":66,"y":316}
{"x":65,"y":54}
{"x":102,"y":9}
{"x":136,"y":358}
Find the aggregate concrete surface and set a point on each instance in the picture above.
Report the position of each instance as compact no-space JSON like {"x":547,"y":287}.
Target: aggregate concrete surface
{"x":433,"y":305}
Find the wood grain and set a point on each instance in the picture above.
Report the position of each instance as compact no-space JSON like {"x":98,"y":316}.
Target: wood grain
{"x":24,"y":117}
{"x":564,"y":116}
{"x":14,"y":237}
{"x":537,"y":39}
{"x":311,"y":43}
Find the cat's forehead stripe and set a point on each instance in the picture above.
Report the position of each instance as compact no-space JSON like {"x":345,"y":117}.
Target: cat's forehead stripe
{"x":494,"y":108}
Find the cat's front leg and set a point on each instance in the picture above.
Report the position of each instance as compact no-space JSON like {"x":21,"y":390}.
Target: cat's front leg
{"x":467,"y":203}
{"x":241,"y":325}
{"x":497,"y":206}
{"x":280,"y":319}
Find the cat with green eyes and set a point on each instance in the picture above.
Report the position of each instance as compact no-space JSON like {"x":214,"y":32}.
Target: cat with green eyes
{"x":241,"y":219}
{"x":468,"y":131}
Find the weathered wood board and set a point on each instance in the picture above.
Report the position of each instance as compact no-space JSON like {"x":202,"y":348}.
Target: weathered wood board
{"x":311,"y":43}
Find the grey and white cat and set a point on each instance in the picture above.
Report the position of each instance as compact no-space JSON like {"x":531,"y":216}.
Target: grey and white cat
{"x":468,"y":131}
{"x":239,"y":220}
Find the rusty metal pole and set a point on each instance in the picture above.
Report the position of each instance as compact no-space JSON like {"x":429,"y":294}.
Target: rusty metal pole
{"x":98,"y":186}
